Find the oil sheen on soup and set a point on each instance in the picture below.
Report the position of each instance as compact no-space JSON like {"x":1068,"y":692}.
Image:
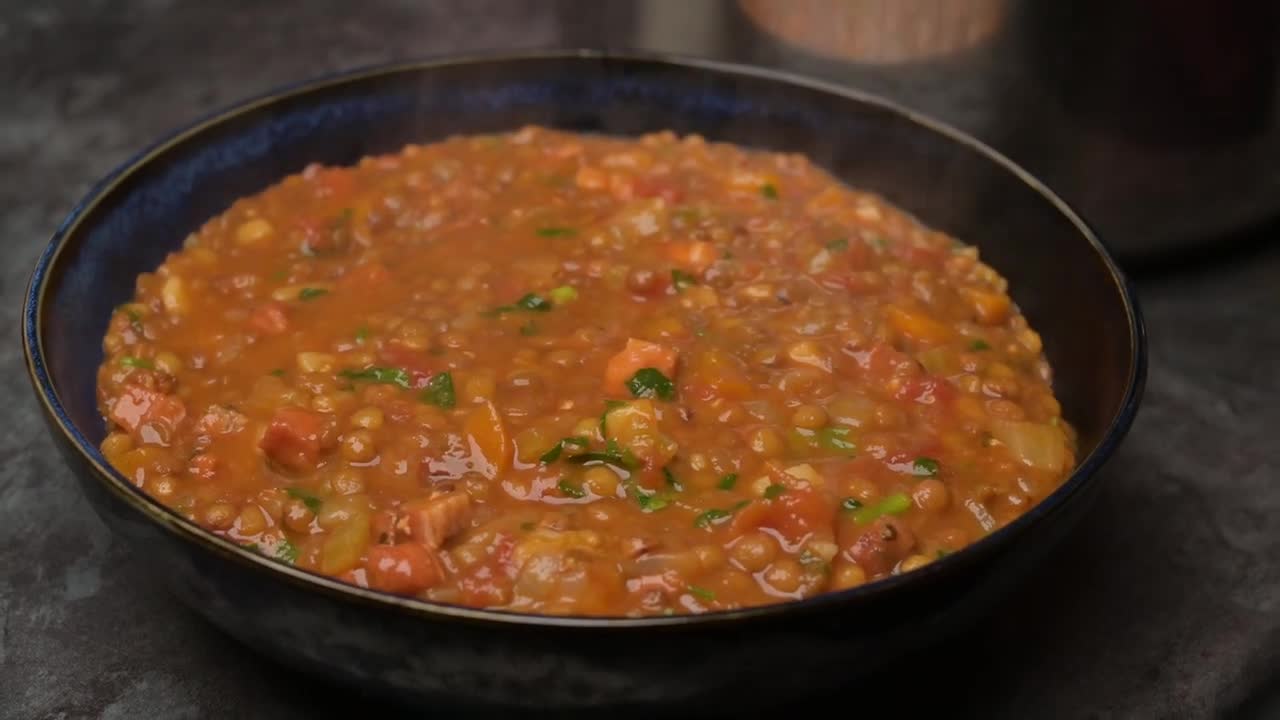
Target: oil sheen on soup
{"x":573,"y":374}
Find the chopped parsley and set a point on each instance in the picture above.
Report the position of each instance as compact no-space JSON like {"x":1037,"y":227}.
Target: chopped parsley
{"x":137,"y":362}
{"x":278,"y":372}
{"x":556,"y":450}
{"x":838,"y":245}
{"x":774,"y":491}
{"x":715,"y":516}
{"x":769,"y":191}
{"x":895,"y":504}
{"x":613,"y":454}
{"x":529,"y":329}
{"x":979,"y":345}
{"x":850,"y":504}
{"x":563,"y":294}
{"x":287,"y":552}
{"x":924,"y":467}
{"x":649,"y":382}
{"x":701,"y":593}
{"x":570,"y":490}
{"x":387,"y":375}
{"x":439,"y":392}
{"x":362,"y":334}
{"x":312,"y":502}
{"x":728,"y":481}
{"x":647,"y":500}
{"x":556,"y":231}
{"x":311,"y":293}
{"x":531,"y":302}
{"x":671,"y":479}
{"x":681,"y":279}
{"x":835,"y":438}
{"x":527,"y":526}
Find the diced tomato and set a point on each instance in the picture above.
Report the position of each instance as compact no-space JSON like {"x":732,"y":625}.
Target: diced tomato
{"x":647,"y":187}
{"x":403,"y":569}
{"x":293,"y":439}
{"x":368,"y":275}
{"x":636,"y":355}
{"x":148,"y":413}
{"x":695,"y":256}
{"x":416,"y":362}
{"x":919,"y":256}
{"x":793,"y":514}
{"x":927,"y":391}
{"x":269,"y":318}
{"x":336,"y":183}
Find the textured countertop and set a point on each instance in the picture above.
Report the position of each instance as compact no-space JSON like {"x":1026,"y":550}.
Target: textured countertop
{"x":1164,"y":603}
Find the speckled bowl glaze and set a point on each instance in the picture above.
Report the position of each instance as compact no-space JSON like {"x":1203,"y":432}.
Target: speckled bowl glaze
{"x":419,"y":652}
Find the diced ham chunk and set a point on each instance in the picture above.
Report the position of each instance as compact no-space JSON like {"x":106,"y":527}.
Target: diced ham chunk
{"x":294,"y":438}
{"x":434,"y":520}
{"x":403,"y":569}
{"x":147,"y":414}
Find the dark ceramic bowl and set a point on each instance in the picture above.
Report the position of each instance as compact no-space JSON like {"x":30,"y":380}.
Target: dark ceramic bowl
{"x":420,"y":652}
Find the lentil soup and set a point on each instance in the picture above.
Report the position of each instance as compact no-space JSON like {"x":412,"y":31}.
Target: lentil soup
{"x":575,"y":374}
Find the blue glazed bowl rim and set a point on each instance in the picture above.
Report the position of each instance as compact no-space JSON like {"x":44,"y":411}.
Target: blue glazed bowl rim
{"x":190,"y":532}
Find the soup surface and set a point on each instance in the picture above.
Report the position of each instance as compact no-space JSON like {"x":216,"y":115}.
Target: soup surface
{"x":569,"y":374}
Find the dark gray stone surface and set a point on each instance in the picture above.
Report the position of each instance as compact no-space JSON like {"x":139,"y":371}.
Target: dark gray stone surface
{"x":1165,"y":602}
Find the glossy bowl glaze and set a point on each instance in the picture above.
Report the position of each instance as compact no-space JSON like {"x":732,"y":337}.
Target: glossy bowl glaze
{"x":414,"y":651}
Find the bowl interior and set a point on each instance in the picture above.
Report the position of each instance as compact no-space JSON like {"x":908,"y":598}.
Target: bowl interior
{"x":1058,"y":274}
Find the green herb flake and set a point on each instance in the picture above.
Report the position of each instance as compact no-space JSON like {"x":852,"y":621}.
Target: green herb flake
{"x":774,"y":491}
{"x":838,"y":245}
{"x":715,"y":516}
{"x":529,"y":329}
{"x":554,"y":453}
{"x":312,"y":502}
{"x":648,"y":501}
{"x":850,"y":504}
{"x":924,"y":467}
{"x":895,"y":504}
{"x":130,"y":361}
{"x":385,"y":375}
{"x":287,"y":552}
{"x":278,"y":372}
{"x":613,"y":454}
{"x":979,"y":345}
{"x":728,"y":481}
{"x":681,"y":280}
{"x":942,"y":552}
{"x":549,"y":232}
{"x":769,"y":191}
{"x":362,"y":334}
{"x":533,"y":302}
{"x":279,"y":275}
{"x":439,"y":392}
{"x":671,"y":479}
{"x":527,"y":526}
{"x":701,"y":593}
{"x":837,"y":438}
{"x":310,"y":293}
{"x":570,"y":490}
{"x":878,"y":242}
{"x":563,"y":294}
{"x":649,"y":382}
